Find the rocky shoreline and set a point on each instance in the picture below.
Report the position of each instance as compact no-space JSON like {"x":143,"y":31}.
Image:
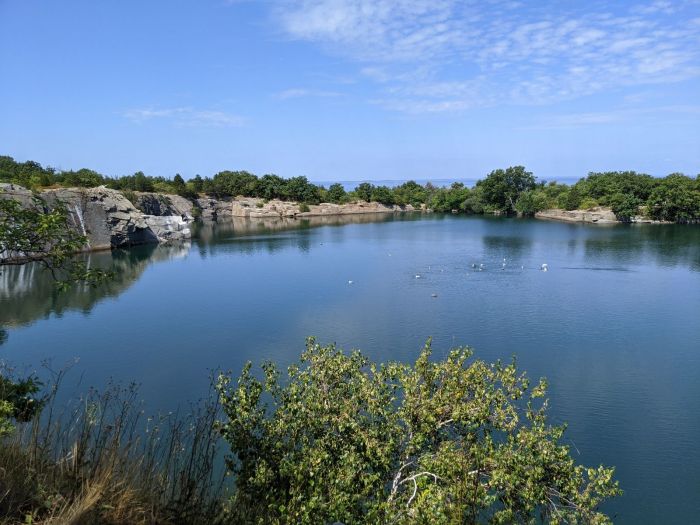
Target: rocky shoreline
{"x":109,"y":219}
{"x":113,"y":219}
{"x":597,"y":215}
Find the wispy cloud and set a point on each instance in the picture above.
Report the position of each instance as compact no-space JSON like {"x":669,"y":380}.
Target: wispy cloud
{"x":452,"y":55}
{"x":185,"y":116}
{"x":579,"y":120}
{"x":303,"y":92}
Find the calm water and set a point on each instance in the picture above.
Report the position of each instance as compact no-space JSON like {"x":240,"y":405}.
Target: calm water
{"x":614,"y":325}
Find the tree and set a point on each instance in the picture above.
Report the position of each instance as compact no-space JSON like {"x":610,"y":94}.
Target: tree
{"x":271,"y":187}
{"x":452,"y":441}
{"x":676,"y":198}
{"x":336,"y":193}
{"x":197,"y":183}
{"x":625,"y":206}
{"x":502,"y":188}
{"x":531,"y":201}
{"x":235,"y":183}
{"x":363,"y":191}
{"x":383,"y":195}
{"x":83,"y":178}
{"x":31,"y":233}
{"x":301,"y":190}
{"x":410,"y":192}
{"x":141,"y":182}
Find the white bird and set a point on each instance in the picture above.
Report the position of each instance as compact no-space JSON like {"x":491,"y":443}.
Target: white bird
{"x":544,"y":267}
{"x":417,"y":276}
{"x":349,"y":282}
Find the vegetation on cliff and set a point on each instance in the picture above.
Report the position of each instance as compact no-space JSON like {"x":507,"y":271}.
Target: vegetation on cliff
{"x":45,"y":236}
{"x":675,"y":198}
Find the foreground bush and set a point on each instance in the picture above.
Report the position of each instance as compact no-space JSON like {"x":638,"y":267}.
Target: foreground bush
{"x":453,"y":441}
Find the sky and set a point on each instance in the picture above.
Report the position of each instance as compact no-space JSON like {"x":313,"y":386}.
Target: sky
{"x":352,"y":89}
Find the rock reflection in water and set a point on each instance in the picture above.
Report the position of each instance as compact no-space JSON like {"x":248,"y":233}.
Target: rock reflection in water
{"x":28,"y":292}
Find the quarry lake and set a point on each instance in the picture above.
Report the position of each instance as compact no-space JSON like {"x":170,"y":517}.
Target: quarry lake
{"x":614,"y":325}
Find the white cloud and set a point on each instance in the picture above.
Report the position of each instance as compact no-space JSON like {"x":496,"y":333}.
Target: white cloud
{"x":302,"y":93}
{"x":185,"y":116}
{"x":578,"y":120}
{"x":451,"y":55}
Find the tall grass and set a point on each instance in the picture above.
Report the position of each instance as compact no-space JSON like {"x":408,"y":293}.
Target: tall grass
{"x":101,"y":460}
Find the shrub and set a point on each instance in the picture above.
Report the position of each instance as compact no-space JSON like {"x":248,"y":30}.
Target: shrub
{"x":303,"y":207}
{"x":588,"y":203}
{"x":344,"y":439}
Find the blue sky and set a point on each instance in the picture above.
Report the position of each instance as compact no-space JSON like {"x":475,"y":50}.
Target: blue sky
{"x":352,"y":89}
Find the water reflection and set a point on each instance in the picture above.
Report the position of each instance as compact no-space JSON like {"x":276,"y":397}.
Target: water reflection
{"x":272,"y":235}
{"x":28,"y":292}
{"x":667,"y":245}
{"x":502,"y":245}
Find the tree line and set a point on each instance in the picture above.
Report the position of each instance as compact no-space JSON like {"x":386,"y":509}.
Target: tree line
{"x":514,"y":190}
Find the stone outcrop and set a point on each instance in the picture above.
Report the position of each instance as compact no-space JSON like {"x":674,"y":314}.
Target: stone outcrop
{"x":213,"y":209}
{"x":260,"y":209}
{"x":25,"y":197}
{"x":598,"y":215}
{"x":163,"y":205}
{"x":107,"y":218}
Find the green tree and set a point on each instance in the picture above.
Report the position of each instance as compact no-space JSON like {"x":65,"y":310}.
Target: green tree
{"x":410,"y":192}
{"x":234,"y":184}
{"x":31,"y":233}
{"x":531,"y":201}
{"x":383,"y":195}
{"x":141,"y":182}
{"x":676,"y":198}
{"x":451,"y":441}
{"x":502,"y":188}
{"x":83,"y":178}
{"x":570,"y":199}
{"x":364,"y":191}
{"x":336,"y":193}
{"x":197,"y":183}
{"x":625,"y":206}
{"x":301,"y":190}
{"x":272,"y":187}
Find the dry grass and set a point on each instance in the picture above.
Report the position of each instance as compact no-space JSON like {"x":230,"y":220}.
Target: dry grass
{"x":104,"y":462}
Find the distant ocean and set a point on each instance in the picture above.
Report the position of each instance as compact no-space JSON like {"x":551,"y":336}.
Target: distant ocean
{"x":441,"y":183}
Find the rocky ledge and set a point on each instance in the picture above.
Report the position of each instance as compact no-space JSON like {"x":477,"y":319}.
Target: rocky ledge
{"x":598,"y":215}
{"x":260,"y":209}
{"x":108,"y":219}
